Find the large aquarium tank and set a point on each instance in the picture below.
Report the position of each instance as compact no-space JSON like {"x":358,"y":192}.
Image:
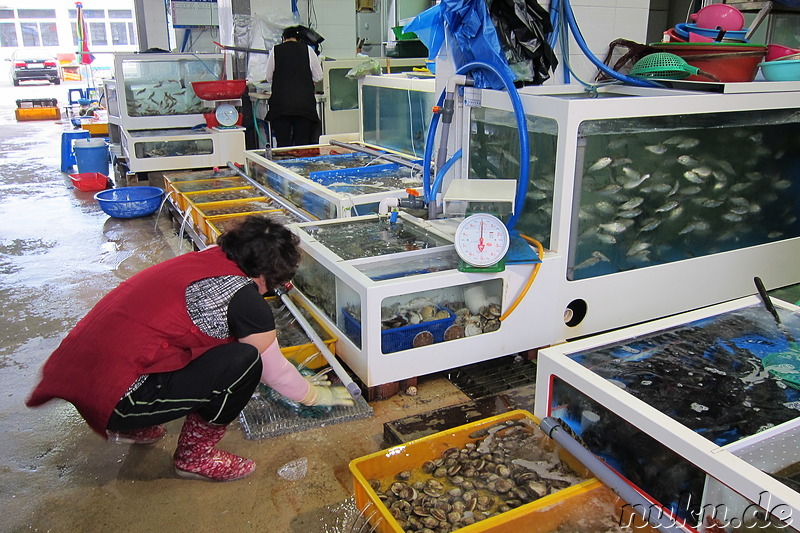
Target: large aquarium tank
{"x":161,"y":85}
{"x":397,"y":118}
{"x":653,"y":190}
{"x":494,"y":154}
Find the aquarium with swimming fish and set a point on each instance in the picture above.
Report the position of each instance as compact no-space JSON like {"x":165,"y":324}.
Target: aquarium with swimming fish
{"x":700,"y":411}
{"x":155,"y":90}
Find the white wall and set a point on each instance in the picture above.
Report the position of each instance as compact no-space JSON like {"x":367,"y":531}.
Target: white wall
{"x":600,"y":22}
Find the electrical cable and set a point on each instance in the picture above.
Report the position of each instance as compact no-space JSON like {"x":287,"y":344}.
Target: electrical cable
{"x":529,"y":283}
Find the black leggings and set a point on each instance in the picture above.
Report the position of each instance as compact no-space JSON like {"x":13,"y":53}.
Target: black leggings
{"x":290,"y":130}
{"x":217,"y":385}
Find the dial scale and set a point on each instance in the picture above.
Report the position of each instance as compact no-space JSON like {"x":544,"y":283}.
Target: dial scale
{"x":482,"y":241}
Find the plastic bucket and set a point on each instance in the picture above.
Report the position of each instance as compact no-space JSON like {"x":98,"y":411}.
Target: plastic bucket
{"x":91,"y":155}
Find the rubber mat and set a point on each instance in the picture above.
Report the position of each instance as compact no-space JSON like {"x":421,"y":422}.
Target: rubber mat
{"x":491,"y":377}
{"x":262,"y":418}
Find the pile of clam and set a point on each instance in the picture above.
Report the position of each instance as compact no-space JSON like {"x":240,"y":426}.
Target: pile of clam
{"x":467,"y":324}
{"x":507,"y":466}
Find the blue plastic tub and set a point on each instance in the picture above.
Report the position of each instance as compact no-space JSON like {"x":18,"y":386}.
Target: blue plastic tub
{"x":91,"y":155}
{"x":130,"y":202}
{"x":402,"y":338}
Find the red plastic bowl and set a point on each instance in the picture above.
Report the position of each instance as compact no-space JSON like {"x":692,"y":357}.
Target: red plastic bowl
{"x":89,"y":181}
{"x":775,"y":51}
{"x":219,"y":89}
{"x":732,"y":62}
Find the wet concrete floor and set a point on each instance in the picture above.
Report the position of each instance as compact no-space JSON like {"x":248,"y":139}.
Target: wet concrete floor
{"x":59,"y":254}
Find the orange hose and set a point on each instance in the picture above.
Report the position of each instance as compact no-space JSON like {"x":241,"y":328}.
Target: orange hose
{"x":540,"y":253}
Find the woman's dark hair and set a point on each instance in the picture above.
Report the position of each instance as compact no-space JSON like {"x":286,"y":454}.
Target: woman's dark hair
{"x":292,"y":32}
{"x":261,"y":246}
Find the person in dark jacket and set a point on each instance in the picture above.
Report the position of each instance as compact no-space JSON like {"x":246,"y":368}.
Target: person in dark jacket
{"x":191,"y":336}
{"x":293,"y":68}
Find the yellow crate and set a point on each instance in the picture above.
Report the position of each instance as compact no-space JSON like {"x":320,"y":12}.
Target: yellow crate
{"x":202,"y":211}
{"x":298,"y":354}
{"x":95,"y":128}
{"x":213,"y":227}
{"x":37,"y":113}
{"x":581,"y":503}
{"x":178,"y":189}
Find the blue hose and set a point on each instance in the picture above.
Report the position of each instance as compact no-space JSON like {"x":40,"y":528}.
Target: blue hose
{"x":569,"y":16}
{"x":428,"y":155}
{"x":522,"y":128}
{"x":440,"y":175}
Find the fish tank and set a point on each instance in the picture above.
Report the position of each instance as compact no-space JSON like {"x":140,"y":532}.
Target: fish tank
{"x":400,"y":111}
{"x":695,"y":410}
{"x":379,"y":283}
{"x":155,"y":90}
{"x":335,"y":185}
{"x":655,"y":190}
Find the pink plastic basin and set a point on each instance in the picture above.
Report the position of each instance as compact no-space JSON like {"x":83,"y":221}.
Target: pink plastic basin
{"x":719,"y":15}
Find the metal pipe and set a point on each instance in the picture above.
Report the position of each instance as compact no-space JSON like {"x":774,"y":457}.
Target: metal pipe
{"x":376,"y":153}
{"x":639,"y":504}
{"x":299,"y":213}
{"x":352,"y":388}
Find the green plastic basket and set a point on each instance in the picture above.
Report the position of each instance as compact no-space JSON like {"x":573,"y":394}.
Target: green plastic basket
{"x":666,"y":66}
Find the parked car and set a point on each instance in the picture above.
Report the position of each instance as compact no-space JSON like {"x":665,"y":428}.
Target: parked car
{"x":34,"y":65}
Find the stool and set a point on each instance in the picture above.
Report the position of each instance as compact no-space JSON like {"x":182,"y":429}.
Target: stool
{"x":67,"y":157}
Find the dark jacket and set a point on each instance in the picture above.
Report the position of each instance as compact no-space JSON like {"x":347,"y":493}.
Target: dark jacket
{"x":292,"y":84}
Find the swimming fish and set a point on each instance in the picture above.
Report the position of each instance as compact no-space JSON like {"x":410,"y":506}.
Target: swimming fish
{"x":595,"y":258}
{"x":669,"y":206}
{"x":600,"y":164}
{"x":637,"y":248}
{"x":617,"y":226}
{"x":687,"y":161}
{"x":689,"y":142}
{"x":636,"y":182}
{"x":650,"y":224}
{"x":692,"y":176}
{"x":656,"y":148}
{"x":636,"y":201}
{"x":611,"y":188}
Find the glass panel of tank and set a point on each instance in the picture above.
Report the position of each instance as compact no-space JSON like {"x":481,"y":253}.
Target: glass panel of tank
{"x":163,"y":87}
{"x":426,"y":317}
{"x":494,"y":154}
{"x":343,"y":90}
{"x":372,"y":237}
{"x":438,"y":260}
{"x":317,"y":283}
{"x":653,"y":190}
{"x":147,"y":149}
{"x":400,"y":118}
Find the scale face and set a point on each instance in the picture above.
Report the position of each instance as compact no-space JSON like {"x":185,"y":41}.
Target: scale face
{"x":482,"y":240}
{"x":227,"y":115}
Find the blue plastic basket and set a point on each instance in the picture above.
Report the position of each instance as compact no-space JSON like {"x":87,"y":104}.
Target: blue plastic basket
{"x":130,"y":202}
{"x":402,"y":338}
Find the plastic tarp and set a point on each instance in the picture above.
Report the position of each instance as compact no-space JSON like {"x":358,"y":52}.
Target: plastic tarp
{"x":473,"y":34}
{"x":523,"y":27}
{"x":260,"y":33}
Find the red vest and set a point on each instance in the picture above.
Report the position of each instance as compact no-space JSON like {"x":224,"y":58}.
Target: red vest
{"x":141,"y":327}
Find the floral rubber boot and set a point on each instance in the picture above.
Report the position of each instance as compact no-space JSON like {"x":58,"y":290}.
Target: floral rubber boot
{"x":197,"y":458}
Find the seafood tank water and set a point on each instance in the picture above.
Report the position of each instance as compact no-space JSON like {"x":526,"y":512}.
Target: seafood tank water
{"x":732,"y":378}
{"x":659,"y":189}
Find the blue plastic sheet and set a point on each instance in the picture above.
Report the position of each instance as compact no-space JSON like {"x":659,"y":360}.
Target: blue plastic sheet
{"x":474,"y":37}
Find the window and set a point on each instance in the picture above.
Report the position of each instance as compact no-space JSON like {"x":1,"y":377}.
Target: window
{"x":30,"y":34}
{"x":120,"y":14}
{"x":94,"y":13}
{"x":8,"y":35}
{"x":36,"y":13}
{"x":6,"y":13}
{"x":97,"y":34}
{"x":49,"y":33}
{"x":119,"y":33}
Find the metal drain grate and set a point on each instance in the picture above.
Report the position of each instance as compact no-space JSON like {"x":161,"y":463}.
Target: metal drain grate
{"x":263,"y":418}
{"x":487,"y":378}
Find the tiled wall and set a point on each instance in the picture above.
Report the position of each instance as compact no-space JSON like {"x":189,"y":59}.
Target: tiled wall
{"x":600,"y":22}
